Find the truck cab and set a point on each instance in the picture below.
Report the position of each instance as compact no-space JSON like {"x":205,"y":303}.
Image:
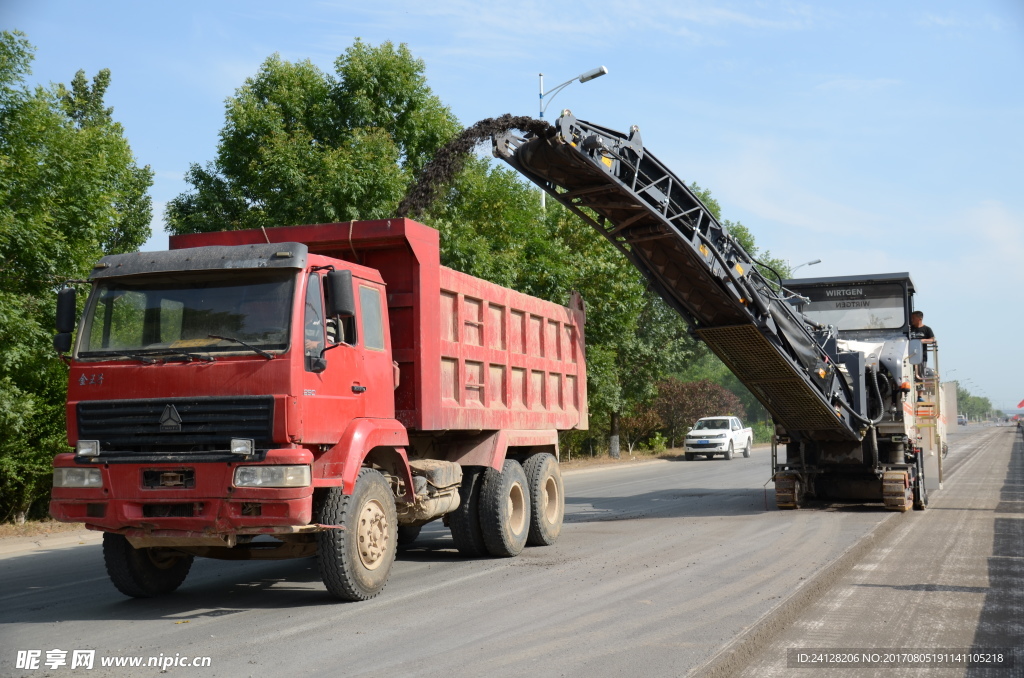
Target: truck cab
{"x":225,"y":372}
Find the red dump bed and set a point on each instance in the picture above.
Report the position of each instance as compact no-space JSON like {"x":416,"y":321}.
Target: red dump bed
{"x":472,"y":355}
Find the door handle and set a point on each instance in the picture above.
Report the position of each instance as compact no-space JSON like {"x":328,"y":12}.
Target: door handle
{"x":358,"y":389}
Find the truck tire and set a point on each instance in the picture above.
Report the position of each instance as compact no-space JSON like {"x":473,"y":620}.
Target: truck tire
{"x":143,"y":573}
{"x":355,"y":562}
{"x":746,"y":450}
{"x":407,"y":535}
{"x":505,"y":510}
{"x":728,"y":452}
{"x":689,"y":456}
{"x":464,"y":522}
{"x":547,"y":499}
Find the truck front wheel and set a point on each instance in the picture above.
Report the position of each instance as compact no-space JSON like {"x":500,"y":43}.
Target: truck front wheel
{"x":143,"y":573}
{"x":505,"y":510}
{"x":547,"y":499}
{"x":355,"y":561}
{"x":728,"y":452}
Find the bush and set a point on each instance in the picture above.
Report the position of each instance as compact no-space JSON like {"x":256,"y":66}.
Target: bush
{"x":763,"y":432}
{"x":658,"y":443}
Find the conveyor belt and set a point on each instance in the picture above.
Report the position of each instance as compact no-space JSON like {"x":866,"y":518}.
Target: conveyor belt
{"x":657,"y":222}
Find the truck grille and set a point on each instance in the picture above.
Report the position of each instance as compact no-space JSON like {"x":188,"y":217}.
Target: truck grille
{"x":175,"y":426}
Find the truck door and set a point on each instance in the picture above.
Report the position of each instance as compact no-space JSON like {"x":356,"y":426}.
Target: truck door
{"x":380,"y":372}
{"x":334,"y":395}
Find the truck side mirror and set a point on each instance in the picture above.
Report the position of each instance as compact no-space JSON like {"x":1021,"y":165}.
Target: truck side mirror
{"x":62,"y":342}
{"x":341,"y":297}
{"x":915,"y":351}
{"x":66,"y":310}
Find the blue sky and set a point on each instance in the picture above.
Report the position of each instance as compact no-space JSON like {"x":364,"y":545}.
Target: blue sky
{"x":877,"y":136}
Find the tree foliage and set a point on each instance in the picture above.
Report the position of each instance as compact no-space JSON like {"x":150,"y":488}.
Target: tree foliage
{"x":300,"y":146}
{"x":975,"y":407}
{"x":70,"y":191}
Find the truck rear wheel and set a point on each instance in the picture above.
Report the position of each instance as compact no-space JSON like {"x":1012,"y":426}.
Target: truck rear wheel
{"x":355,"y":561}
{"x":464,"y":521}
{"x":746,"y":450}
{"x":505,"y":510}
{"x":547,"y":499}
{"x":143,"y":573}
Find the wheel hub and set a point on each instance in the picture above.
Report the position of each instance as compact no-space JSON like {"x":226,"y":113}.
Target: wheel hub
{"x":517,"y":509}
{"x":551,"y":502}
{"x":372,"y":535}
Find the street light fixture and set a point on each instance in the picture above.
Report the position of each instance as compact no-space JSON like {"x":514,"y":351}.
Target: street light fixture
{"x":582,"y":77}
{"x":806,"y":263}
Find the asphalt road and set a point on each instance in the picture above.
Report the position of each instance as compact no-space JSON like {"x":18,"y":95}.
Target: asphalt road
{"x":659,"y":567}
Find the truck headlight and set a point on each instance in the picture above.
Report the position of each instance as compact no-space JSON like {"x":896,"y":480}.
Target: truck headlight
{"x":243,"y":446}
{"x":272,"y":476}
{"x":87,"y":448}
{"x":77,"y":477}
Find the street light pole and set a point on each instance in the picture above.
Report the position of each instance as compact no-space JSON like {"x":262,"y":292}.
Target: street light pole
{"x":582,"y":77}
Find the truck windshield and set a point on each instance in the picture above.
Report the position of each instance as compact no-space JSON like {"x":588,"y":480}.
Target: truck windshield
{"x":711,"y":424}
{"x":154,"y":315}
{"x":857,"y":307}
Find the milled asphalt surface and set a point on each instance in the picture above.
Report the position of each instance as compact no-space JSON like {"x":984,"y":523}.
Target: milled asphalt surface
{"x":659,"y":567}
{"x":948,"y":579}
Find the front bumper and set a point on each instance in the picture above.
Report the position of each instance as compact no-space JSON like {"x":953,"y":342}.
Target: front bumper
{"x":711,"y":447}
{"x":210,"y":506}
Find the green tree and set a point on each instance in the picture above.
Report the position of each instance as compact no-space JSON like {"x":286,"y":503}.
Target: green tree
{"x":70,"y":191}
{"x":300,"y":146}
{"x":975,"y":407}
{"x":681,"y":403}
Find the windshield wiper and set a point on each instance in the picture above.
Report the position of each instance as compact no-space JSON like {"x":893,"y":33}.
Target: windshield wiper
{"x":260,"y":351}
{"x":191,"y":356}
{"x":133,"y":356}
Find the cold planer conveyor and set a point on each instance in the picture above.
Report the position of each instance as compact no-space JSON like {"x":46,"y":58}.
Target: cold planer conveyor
{"x":611,"y":181}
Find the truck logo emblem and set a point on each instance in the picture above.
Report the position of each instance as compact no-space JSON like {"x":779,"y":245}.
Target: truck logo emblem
{"x":170,"y":420}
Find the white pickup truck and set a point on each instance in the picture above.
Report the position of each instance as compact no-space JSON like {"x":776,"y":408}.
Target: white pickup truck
{"x":718,"y":435}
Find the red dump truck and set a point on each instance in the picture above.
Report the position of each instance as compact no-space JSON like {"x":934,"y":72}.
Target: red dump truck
{"x":311,"y":390}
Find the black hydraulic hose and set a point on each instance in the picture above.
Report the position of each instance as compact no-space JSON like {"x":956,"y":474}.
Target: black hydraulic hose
{"x":873,"y":447}
{"x":878,"y":397}
{"x":856,"y":415}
